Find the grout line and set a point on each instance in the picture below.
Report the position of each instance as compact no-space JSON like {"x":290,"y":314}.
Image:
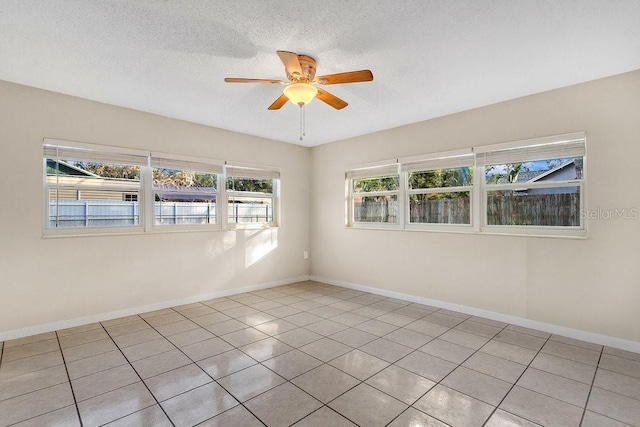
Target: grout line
{"x":454,"y":369}
{"x":141,"y":380}
{"x":66,"y":369}
{"x":302,"y":373}
{"x":205,"y":372}
{"x":514,"y":384}
{"x":390,"y":364}
{"x":315,"y":291}
{"x":593,"y":379}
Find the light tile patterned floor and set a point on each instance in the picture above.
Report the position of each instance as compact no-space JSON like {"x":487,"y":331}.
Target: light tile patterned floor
{"x":310,"y":354}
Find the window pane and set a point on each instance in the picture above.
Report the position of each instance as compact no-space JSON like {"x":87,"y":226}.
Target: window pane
{"x":440,"y":178}
{"x":91,"y":208}
{"x":242,"y":210}
{"x":376,"y":209}
{"x":440,"y":208}
{"x":383,"y":183}
{"x":184,"y":197}
{"x":254,"y":185}
{"x":92,"y":171}
{"x":565,"y":169}
{"x":174,"y":208}
{"x":173,"y":178}
{"x":554,"y":207}
{"x":83,"y":200}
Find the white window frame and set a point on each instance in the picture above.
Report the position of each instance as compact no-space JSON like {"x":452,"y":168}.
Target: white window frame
{"x":439,"y":161}
{"x":70,"y":150}
{"x":60,"y":150}
{"x":373,"y":170}
{"x":553,"y":147}
{"x":245,"y":170}
{"x":191,"y":164}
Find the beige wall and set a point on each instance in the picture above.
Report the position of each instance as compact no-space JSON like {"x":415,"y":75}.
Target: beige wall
{"x":57,"y":279}
{"x":591,"y":285}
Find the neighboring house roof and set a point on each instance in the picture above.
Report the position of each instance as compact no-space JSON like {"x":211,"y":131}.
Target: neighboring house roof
{"x":523,"y":176}
{"x":545,"y":174}
{"x":535,"y":176}
{"x":529,"y":176}
{"x":64,"y":168}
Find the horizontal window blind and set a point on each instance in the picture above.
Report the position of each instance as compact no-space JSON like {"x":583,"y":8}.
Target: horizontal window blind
{"x":438,"y":163}
{"x":234,"y":171}
{"x":167,"y":161}
{"x":551,"y":150}
{"x":63,"y":150}
{"x":384,"y":170}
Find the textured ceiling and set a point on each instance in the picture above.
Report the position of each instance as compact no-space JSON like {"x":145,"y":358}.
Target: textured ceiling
{"x":429,"y":57}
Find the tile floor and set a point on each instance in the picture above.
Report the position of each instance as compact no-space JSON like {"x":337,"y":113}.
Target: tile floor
{"x":310,"y":354}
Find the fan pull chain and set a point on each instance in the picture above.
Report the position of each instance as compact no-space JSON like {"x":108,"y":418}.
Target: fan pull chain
{"x":301,"y":121}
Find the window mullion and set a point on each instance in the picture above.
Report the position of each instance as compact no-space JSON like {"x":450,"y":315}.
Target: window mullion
{"x":403,"y":201}
{"x":436,"y":190}
{"x":148,"y":202}
{"x":478,"y":201}
{"x":376,"y":193}
{"x":530,"y":185}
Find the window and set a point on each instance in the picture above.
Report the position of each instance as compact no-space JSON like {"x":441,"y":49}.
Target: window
{"x":373,"y":194}
{"x":251,"y":195}
{"x":535,"y":186}
{"x":92,"y":189}
{"x":185,"y":190}
{"x":439,"y":189}
{"x":85,"y":186}
{"x":532,"y":187}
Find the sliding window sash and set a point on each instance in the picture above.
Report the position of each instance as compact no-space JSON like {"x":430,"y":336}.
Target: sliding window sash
{"x":243,"y":206}
{"x":434,"y":162}
{"x":571,"y":145}
{"x":83,"y":202}
{"x":184,"y":207}
{"x":385,"y":169}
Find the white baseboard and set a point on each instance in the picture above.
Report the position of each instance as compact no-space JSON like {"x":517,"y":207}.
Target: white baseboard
{"x":70,"y":323}
{"x":519,"y":321}
{"x":528,"y":323}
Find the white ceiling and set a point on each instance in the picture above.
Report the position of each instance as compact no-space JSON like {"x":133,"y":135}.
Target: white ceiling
{"x":429,"y":58}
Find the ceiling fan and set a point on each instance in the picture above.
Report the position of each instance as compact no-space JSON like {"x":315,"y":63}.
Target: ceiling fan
{"x":300,"y":89}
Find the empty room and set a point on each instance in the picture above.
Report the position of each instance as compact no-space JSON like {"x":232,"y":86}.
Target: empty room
{"x":343,"y":213}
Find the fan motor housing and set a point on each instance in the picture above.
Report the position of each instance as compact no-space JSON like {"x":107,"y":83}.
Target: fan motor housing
{"x":308,"y":66}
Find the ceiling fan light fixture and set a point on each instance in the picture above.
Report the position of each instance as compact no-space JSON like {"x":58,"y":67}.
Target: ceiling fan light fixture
{"x":300,"y":93}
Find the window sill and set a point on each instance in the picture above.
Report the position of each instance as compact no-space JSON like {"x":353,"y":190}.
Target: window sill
{"x":573,"y":234}
{"x":57,"y":234}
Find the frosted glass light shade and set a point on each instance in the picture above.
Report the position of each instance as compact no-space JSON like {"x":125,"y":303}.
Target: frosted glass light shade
{"x":300,"y":93}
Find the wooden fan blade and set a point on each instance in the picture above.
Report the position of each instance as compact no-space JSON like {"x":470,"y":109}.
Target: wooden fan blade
{"x":241,"y":80}
{"x":349,"y":77}
{"x":278,"y":103}
{"x":332,"y":100}
{"x":290,"y":61}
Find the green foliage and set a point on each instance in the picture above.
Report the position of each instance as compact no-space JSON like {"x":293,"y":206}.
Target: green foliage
{"x":385,"y":183}
{"x":105,"y":170}
{"x":250,"y":185}
{"x":439,"y":178}
{"x":179,"y":178}
{"x":510,"y":171}
{"x":512,"y":176}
